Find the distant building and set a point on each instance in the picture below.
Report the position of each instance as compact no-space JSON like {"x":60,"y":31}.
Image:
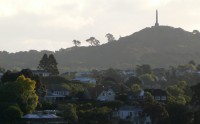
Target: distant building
{"x":85,"y":80}
{"x":129,"y":73}
{"x":158,"y":94}
{"x":133,"y":114}
{"x":136,"y":97}
{"x":41,"y":73}
{"x":101,"y":93}
{"x":41,"y":117}
{"x":55,"y":92}
{"x":57,"y":95}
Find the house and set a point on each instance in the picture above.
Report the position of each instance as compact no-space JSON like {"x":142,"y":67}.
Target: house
{"x":158,"y":94}
{"x":129,"y":73}
{"x":106,"y":95}
{"x":183,"y":70}
{"x":102,"y":93}
{"x":136,"y":96}
{"x":41,"y":73}
{"x":41,"y":117}
{"x":55,"y":88}
{"x":55,"y":95}
{"x":83,"y":74}
{"x":85,"y":80}
{"x":133,"y":114}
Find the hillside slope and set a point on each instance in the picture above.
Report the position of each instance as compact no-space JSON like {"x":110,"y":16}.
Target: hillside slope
{"x":158,"y":46}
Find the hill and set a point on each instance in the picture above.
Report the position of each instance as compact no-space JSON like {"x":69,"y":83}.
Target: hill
{"x":158,"y":46}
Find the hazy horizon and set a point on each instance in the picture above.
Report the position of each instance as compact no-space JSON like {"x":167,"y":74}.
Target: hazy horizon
{"x":51,"y":25}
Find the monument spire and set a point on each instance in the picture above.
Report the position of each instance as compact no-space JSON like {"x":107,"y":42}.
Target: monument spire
{"x":156,"y":24}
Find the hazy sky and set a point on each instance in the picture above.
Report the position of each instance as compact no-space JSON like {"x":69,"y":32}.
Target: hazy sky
{"x":53,"y":24}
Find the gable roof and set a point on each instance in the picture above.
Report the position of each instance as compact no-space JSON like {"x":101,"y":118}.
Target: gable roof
{"x":97,"y":90}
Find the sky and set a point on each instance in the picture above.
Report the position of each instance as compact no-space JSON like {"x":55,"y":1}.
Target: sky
{"x":54,"y":24}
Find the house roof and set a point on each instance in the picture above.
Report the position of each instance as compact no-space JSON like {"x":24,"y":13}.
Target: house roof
{"x":97,"y":90}
{"x":54,"y":83}
{"x":134,"y":94}
{"x":156,"y":92}
{"x":130,"y":108}
{"x":38,"y":116}
{"x":85,"y":79}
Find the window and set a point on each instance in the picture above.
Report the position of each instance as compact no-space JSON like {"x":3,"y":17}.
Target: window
{"x":157,"y":97}
{"x":163,"y":98}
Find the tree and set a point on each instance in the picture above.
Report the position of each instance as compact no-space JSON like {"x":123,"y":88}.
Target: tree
{"x":43,"y":64}
{"x":93,"y":41}
{"x":10,"y":77}
{"x":178,"y":114}
{"x":148,"y":79}
{"x":69,"y":112}
{"x":49,"y":64}
{"x":143,"y":69}
{"x":192,"y":62}
{"x":112,"y":75}
{"x":133,"y":80}
{"x":196,"y":32}
{"x":52,"y":66}
{"x":157,"y":112}
{"x":76,"y":43}
{"x":21,"y":92}
{"x":196,"y":94}
{"x":135,"y":88}
{"x":110,"y":37}
{"x":12,"y":115}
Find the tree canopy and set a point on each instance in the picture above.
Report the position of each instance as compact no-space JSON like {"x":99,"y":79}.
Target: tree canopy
{"x":21,"y":92}
{"x":76,"y":43}
{"x":110,"y":37}
{"x":93,"y":41}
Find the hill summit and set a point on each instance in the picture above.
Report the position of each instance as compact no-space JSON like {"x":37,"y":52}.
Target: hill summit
{"x":159,"y":46}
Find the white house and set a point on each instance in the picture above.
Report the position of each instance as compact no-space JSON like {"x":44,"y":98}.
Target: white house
{"x":106,"y":95}
{"x":101,"y":93}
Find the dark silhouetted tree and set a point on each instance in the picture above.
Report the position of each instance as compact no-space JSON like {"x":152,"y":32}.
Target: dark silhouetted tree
{"x":143,"y":69}
{"x":49,"y":64}
{"x":12,"y":76}
{"x":43,"y":64}
{"x":76,"y":43}
{"x":52,"y":65}
{"x":93,"y":41}
{"x":12,"y":115}
{"x":110,"y":37}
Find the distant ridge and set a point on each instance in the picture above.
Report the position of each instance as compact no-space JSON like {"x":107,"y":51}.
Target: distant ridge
{"x":158,"y":46}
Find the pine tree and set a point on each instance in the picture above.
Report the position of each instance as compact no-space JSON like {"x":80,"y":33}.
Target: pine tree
{"x":43,"y":62}
{"x":52,"y":65}
{"x":49,"y":64}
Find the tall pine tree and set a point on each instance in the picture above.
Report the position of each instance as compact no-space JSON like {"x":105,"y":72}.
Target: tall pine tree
{"x":43,"y":62}
{"x":49,"y":64}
